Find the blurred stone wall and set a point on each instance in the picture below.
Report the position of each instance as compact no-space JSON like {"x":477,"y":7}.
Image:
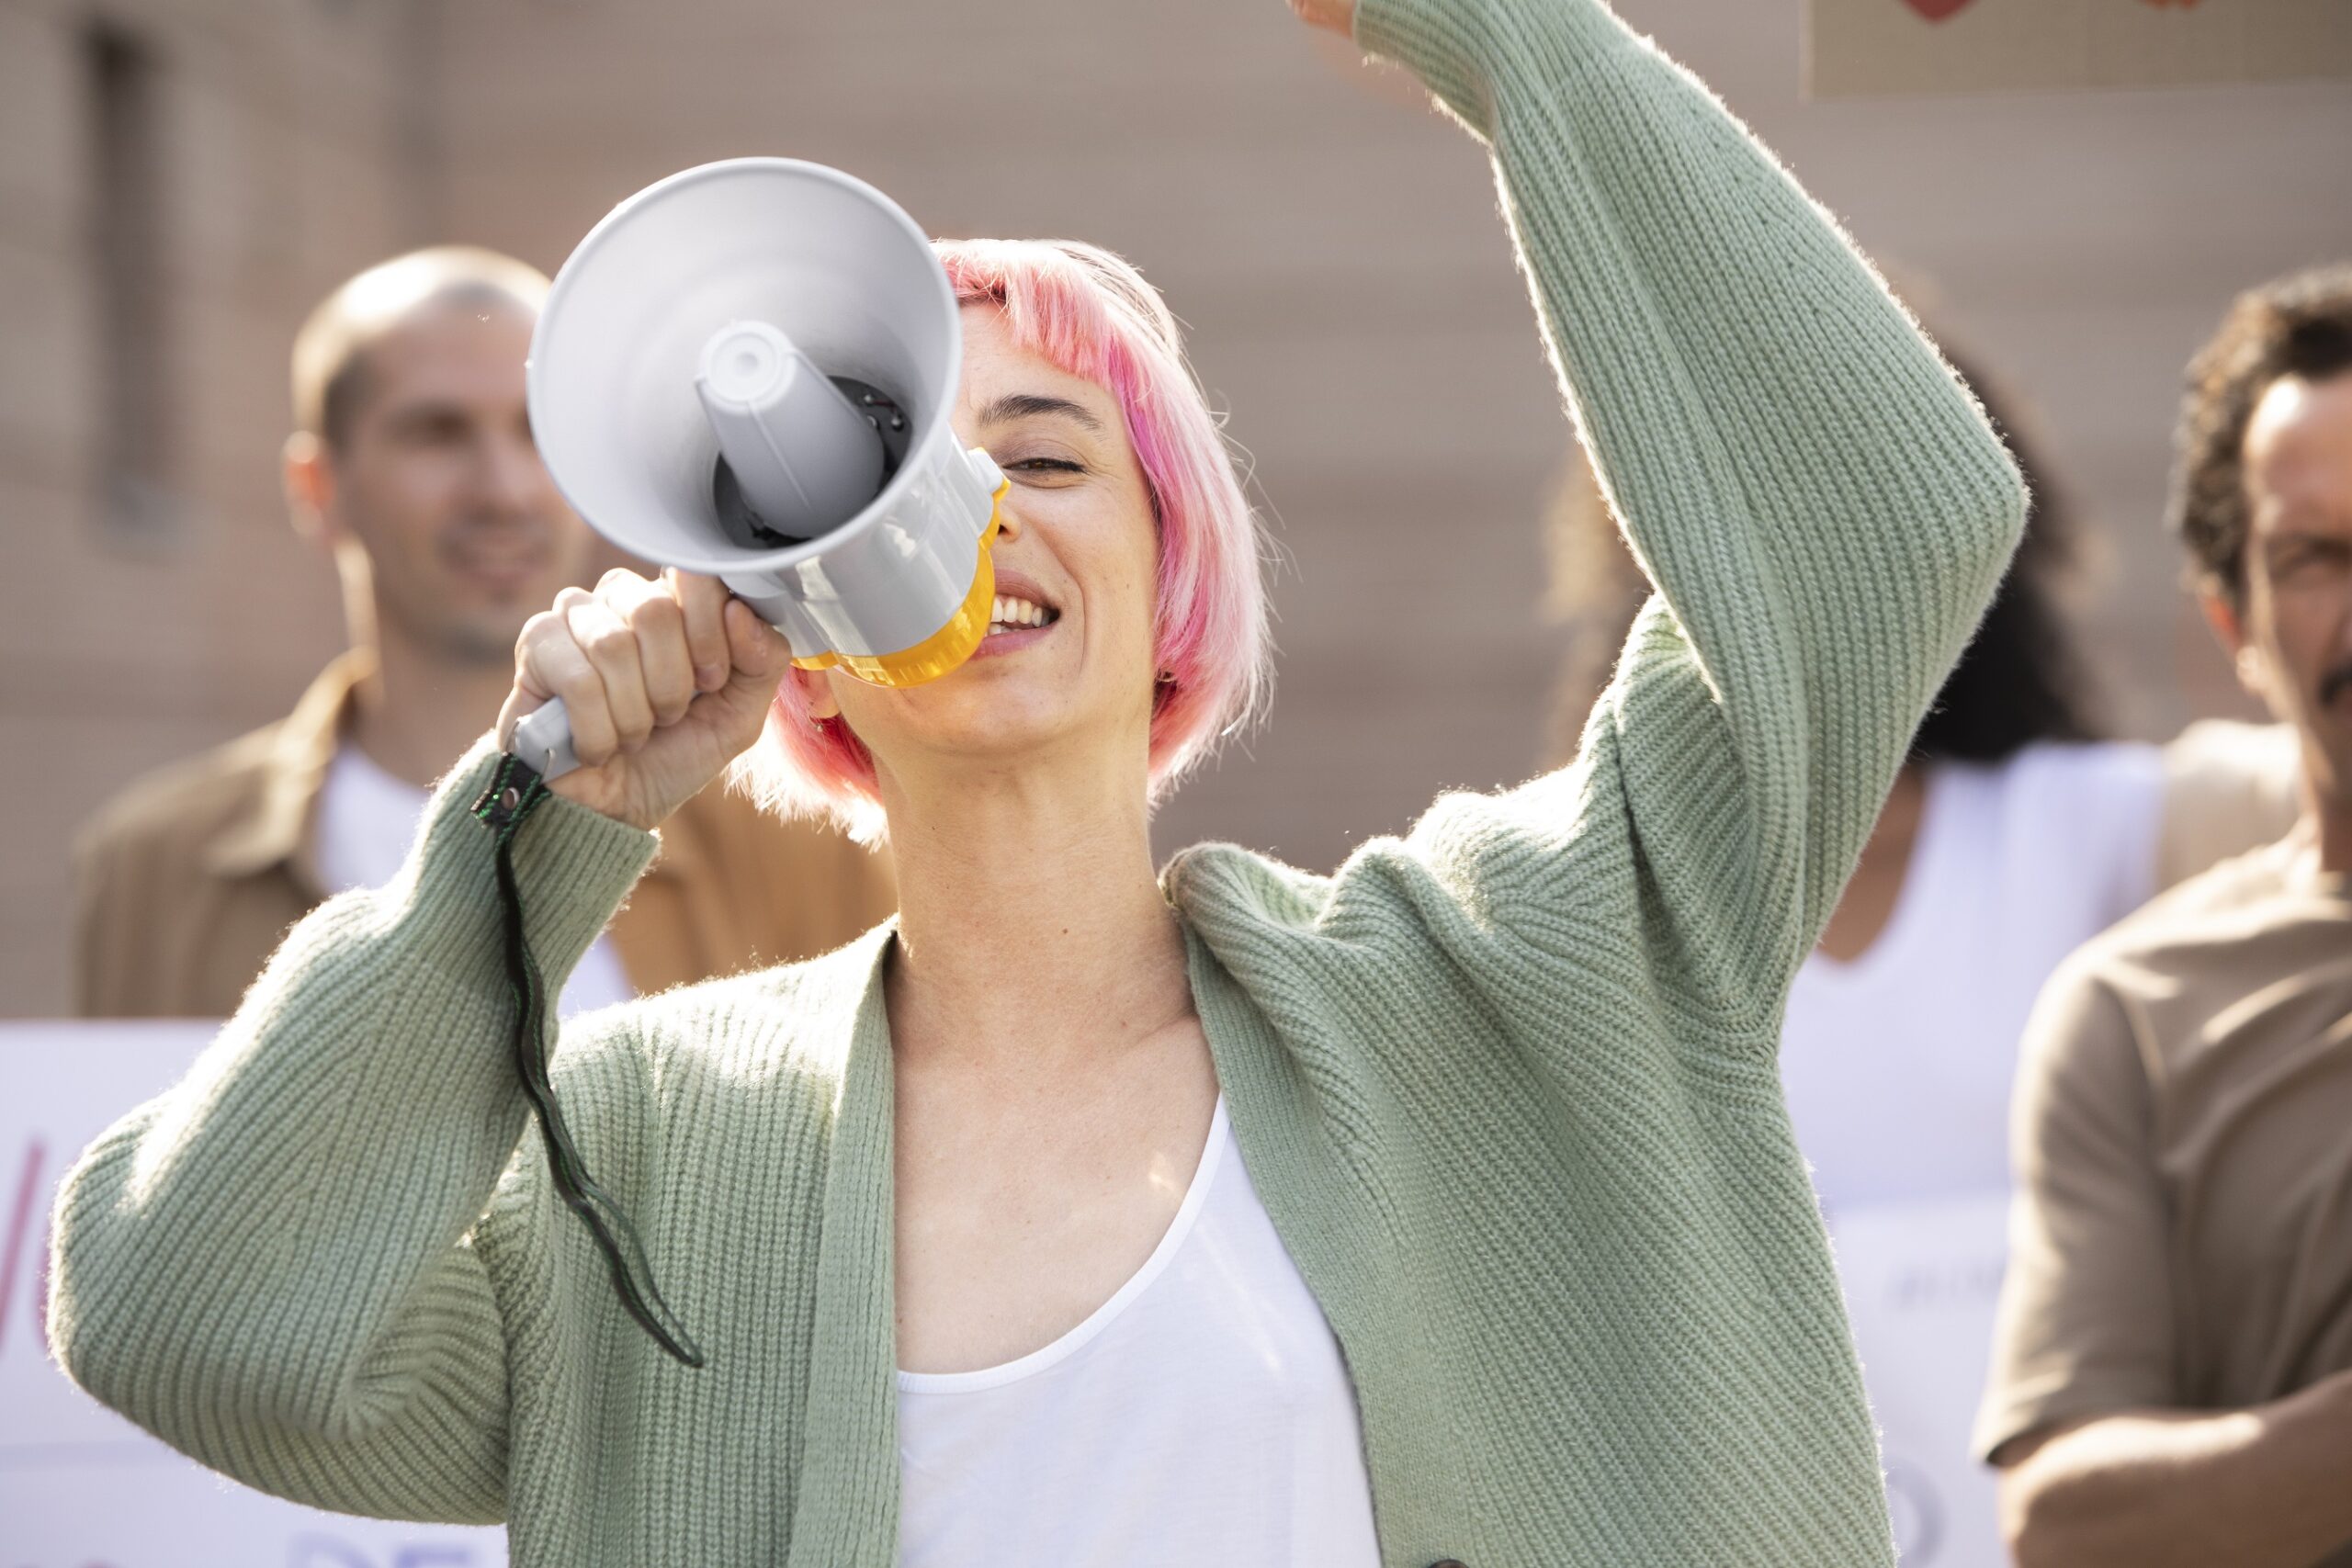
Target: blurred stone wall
{"x":1333,"y":247}
{"x":280,"y":138}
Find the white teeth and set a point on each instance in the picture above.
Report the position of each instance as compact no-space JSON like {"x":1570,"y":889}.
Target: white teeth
{"x":1009,"y":612}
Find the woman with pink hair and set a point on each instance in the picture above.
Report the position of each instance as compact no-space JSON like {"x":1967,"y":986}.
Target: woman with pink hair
{"x":1442,"y":1209}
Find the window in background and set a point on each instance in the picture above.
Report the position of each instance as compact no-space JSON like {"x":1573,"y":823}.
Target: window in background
{"x":122,"y":77}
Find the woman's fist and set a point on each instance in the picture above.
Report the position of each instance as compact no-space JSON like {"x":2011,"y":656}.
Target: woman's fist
{"x":666,"y":682}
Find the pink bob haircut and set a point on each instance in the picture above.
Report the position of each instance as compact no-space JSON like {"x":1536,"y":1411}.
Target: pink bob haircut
{"x":1089,"y":312}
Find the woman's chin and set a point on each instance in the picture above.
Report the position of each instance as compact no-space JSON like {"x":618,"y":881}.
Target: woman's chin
{"x":988,"y":712}
{"x":1014,"y":699}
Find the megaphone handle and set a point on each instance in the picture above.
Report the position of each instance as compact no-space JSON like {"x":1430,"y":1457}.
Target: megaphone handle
{"x":543,"y":740}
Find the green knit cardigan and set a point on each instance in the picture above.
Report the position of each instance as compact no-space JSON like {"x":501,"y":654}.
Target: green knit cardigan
{"x":1507,"y":1086}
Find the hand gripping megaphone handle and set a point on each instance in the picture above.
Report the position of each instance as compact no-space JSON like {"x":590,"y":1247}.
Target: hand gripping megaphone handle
{"x":543,"y":740}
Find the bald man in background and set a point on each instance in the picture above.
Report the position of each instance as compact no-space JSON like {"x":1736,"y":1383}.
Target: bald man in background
{"x":412,"y":464}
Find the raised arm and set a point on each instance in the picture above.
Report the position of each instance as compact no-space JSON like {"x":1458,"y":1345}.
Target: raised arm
{"x":1824,"y":511}
{"x":271,"y":1265}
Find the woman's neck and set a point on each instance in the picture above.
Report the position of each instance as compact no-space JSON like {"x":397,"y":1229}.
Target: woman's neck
{"x":1031,"y":924}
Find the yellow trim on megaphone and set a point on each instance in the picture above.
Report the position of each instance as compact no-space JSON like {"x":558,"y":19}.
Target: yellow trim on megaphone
{"x":944,"y":650}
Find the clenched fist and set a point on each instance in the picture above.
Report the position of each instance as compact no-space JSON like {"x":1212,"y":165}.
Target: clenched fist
{"x":666,"y":682}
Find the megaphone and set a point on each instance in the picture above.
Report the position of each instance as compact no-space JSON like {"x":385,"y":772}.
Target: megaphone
{"x":746,"y":370}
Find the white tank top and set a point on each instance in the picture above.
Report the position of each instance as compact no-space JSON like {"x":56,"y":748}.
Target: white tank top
{"x":1200,"y":1414}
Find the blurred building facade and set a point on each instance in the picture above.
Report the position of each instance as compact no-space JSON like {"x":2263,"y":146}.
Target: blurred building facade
{"x":180,"y":179}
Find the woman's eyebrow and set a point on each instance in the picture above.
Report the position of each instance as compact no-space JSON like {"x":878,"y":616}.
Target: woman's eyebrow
{"x":1018,"y":405}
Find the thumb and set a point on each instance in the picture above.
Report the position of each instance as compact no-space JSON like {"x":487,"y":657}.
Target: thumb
{"x":758,"y":655}
{"x":759,"y":650}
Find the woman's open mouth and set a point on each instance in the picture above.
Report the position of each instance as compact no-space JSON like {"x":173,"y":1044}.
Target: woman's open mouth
{"x":1019,"y":615}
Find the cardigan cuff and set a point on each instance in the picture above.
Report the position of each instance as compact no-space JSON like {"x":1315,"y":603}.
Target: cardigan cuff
{"x":573,"y":867}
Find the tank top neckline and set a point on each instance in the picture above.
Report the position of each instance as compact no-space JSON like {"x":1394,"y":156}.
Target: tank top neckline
{"x":1075,"y":1339}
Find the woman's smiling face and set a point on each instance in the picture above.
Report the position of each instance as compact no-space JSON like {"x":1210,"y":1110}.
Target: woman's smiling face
{"x":1069,"y":665}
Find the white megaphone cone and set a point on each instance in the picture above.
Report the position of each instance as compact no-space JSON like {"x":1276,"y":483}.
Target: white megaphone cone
{"x":746,"y":370}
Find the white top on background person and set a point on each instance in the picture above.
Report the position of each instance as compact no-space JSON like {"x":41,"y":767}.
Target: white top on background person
{"x":1898,"y":1062}
{"x":1899,"y":1058}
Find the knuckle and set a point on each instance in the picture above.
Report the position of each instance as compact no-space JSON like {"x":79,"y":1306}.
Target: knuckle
{"x":609,"y":642}
{"x":657,"y":613}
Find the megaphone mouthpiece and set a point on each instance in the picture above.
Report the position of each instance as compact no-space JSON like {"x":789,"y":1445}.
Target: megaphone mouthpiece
{"x":804,"y":458}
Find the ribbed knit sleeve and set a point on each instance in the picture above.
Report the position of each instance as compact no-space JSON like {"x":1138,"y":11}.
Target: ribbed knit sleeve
{"x":1824,"y":511}
{"x":270,"y":1266}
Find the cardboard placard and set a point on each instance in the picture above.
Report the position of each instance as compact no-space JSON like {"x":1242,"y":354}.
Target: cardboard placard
{"x":79,"y":1486}
{"x":1862,"y":47}
{"x":1922,"y":1280}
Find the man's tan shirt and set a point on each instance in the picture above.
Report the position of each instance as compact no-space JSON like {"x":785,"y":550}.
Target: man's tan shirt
{"x":2183,"y":1231}
{"x":189,"y":880}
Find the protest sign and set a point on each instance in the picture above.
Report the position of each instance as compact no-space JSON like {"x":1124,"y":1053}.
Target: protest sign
{"x":1860,"y":47}
{"x":79,"y":1486}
